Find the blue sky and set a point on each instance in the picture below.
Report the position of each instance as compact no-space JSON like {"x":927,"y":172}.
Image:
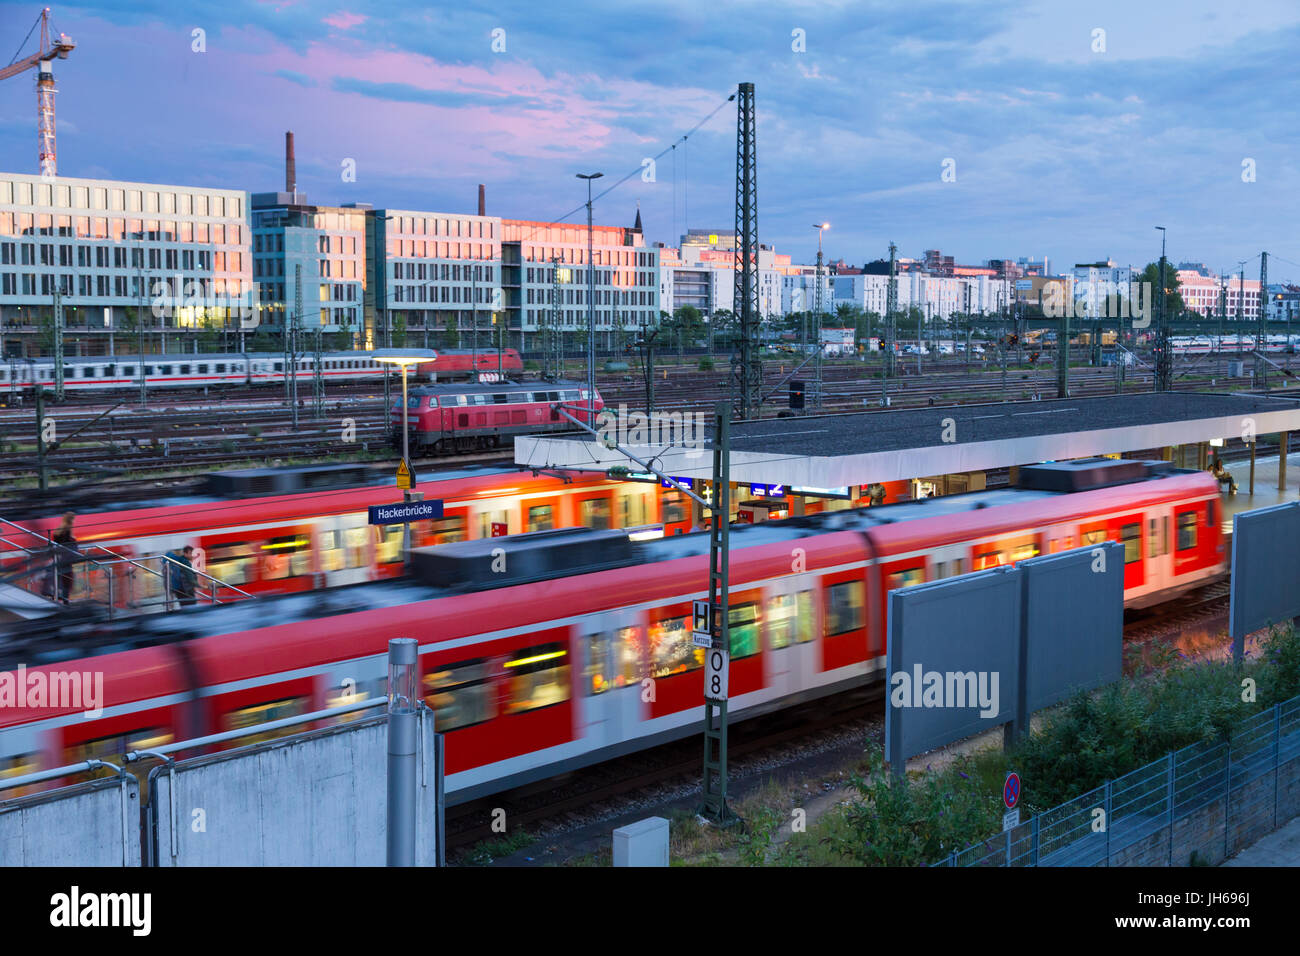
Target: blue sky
{"x":1058,"y":148}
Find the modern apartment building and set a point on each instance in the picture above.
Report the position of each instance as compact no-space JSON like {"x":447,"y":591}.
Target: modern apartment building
{"x":1201,"y":293}
{"x":309,"y":262}
{"x":120,"y":253}
{"x":546,"y":282}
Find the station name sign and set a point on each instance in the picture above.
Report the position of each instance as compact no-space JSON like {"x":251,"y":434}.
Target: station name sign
{"x":403,"y":512}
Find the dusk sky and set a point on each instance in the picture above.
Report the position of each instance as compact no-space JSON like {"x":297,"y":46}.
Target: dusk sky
{"x":1058,"y":148}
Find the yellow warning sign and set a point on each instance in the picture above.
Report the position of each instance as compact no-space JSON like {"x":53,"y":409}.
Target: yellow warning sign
{"x":405,"y":475}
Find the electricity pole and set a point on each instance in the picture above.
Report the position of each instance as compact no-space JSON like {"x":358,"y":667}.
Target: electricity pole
{"x":817,"y":319}
{"x":1164,"y":358}
{"x":591,"y":306}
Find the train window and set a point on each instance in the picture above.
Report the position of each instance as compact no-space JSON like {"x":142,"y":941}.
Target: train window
{"x":1093,"y":537}
{"x":629,"y":668}
{"x":279,"y":366}
{"x":433,"y":401}
{"x":1209,"y":513}
{"x":221,"y":368}
{"x":790,"y":619}
{"x":287,"y":556}
{"x":460,"y":694}
{"x":1063,"y":543}
{"x":185,"y":370}
{"x":843,"y":607}
{"x":458,"y":399}
{"x":232,"y":563}
{"x":500,"y":399}
{"x":744,"y":630}
{"x":203,"y":368}
{"x":672,"y":506}
{"x":167,"y":370}
{"x":1131,"y":536}
{"x":539,"y":677}
{"x":443,"y":531}
{"x":594,"y":676}
{"x":331,"y":554}
{"x":413,"y":401}
{"x":388,"y":546}
{"x":1186,"y":530}
{"x":671,"y":649}
{"x":906,"y":578}
{"x":263,"y":714}
{"x":541,"y":518}
{"x":151,"y":370}
{"x":594,"y":513}
{"x":18,"y":765}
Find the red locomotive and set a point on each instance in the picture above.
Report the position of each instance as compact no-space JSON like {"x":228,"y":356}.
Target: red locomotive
{"x":544,"y":668}
{"x":450,"y":418}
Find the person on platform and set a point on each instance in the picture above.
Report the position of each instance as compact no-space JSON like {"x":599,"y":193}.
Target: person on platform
{"x":1223,"y":475}
{"x":65,"y":555}
{"x":181,"y":576}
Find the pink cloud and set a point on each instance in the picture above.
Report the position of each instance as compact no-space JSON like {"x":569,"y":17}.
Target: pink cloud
{"x":345,"y":21}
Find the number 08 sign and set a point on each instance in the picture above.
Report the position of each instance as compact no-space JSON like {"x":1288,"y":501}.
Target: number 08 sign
{"x":716,"y":668}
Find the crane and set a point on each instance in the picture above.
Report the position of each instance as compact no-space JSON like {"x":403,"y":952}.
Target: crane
{"x":59,"y":48}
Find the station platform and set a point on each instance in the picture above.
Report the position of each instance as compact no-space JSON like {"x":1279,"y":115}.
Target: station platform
{"x":1266,"y":490}
{"x":847,"y":450}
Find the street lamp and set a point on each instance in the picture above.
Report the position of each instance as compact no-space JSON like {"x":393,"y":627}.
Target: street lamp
{"x":404,"y":358}
{"x":591,"y":308}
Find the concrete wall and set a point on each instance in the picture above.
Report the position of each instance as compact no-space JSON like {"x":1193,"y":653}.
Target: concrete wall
{"x":317,"y":799}
{"x":88,"y":824}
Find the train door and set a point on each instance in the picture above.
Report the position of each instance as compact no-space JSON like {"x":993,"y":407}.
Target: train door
{"x":593,"y":510}
{"x":791,"y":626}
{"x":674,"y":511}
{"x":343,"y":548}
{"x":612,"y":685}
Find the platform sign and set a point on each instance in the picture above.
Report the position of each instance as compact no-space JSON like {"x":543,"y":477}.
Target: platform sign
{"x":759,"y":490}
{"x":687,"y":483}
{"x":406,"y":511}
{"x":1011,"y":790}
{"x":405,"y":475}
{"x":702,"y":631}
{"x":500,"y":529}
{"x":716,"y":669}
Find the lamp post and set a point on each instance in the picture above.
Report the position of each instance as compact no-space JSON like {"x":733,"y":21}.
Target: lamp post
{"x":388,"y":341}
{"x":404,"y":358}
{"x":591,"y":307}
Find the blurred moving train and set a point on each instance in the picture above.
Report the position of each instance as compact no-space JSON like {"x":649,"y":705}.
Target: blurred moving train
{"x":1207,"y":344}
{"x":197,"y":370}
{"x":275,"y":531}
{"x":543,"y":668}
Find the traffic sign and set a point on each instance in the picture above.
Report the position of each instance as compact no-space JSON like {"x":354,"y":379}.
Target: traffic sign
{"x":405,"y":475}
{"x":1011,"y":819}
{"x":404,"y":512}
{"x":1011,"y":790}
{"x":716,"y":670}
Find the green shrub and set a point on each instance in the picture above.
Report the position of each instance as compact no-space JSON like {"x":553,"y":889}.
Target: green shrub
{"x":706,"y":364}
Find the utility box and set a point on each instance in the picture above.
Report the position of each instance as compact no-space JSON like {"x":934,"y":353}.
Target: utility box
{"x":1237,"y":369}
{"x":644,"y":843}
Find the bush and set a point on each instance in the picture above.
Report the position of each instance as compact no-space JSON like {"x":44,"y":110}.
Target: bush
{"x":255,"y":431}
{"x":706,"y":364}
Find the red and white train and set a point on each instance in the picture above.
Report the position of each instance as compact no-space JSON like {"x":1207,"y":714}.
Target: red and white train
{"x":529,"y":677}
{"x":312,"y":535}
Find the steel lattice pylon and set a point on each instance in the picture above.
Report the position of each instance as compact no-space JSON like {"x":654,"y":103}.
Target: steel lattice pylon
{"x":746,"y":369}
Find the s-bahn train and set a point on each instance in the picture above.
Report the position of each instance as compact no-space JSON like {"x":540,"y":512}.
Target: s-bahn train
{"x":276,"y":531}
{"x":197,"y":370}
{"x":542,"y":668}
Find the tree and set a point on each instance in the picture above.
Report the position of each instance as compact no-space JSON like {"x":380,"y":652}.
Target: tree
{"x":208,"y":335}
{"x":399,"y":330}
{"x":451,"y":333}
{"x":1173,"y":299}
{"x":343,"y":338}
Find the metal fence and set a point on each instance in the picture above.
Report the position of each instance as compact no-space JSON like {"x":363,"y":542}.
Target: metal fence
{"x":1198,"y":805}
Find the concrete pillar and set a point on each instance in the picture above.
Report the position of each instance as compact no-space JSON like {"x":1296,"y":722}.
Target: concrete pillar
{"x":1202,"y":456}
{"x":796,"y":506}
{"x":1253,"y":445}
{"x":977,"y":481}
{"x":1013,"y":475}
{"x":1281,"y":462}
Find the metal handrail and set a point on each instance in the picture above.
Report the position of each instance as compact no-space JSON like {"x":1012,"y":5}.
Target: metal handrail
{"x":114,"y":559}
{"x":167,"y":749}
{"x":53,"y":773}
